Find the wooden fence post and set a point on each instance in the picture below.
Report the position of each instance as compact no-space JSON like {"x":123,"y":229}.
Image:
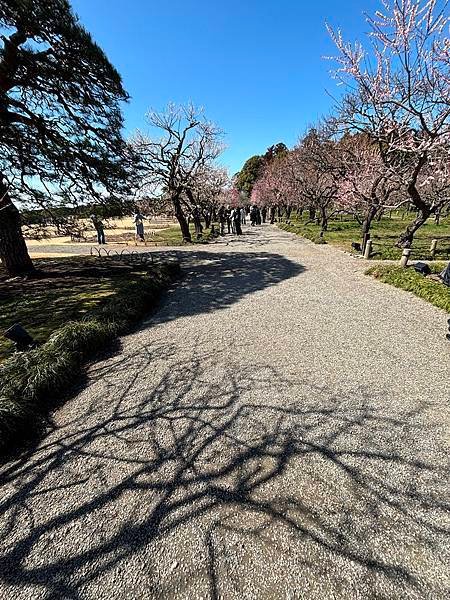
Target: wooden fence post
{"x":405,"y":257}
{"x":433,"y":248}
{"x":368,"y":249}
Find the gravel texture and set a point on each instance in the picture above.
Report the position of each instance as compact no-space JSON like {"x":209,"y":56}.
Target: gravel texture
{"x":277,"y":430}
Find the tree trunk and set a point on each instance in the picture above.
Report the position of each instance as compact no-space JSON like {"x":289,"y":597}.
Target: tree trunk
{"x":312,"y":213}
{"x":406,"y":238}
{"x":13,"y":250}
{"x":369,"y":217}
{"x":323,"y":221}
{"x":437,"y":216}
{"x":423,"y":210}
{"x":181,"y":218}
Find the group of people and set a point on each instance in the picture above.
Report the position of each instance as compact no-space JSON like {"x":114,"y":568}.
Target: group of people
{"x":138,"y":221}
{"x":230,"y":219}
{"x":233,"y":218}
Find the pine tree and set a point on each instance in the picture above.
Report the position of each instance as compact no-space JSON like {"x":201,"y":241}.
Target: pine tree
{"x":60,"y":117}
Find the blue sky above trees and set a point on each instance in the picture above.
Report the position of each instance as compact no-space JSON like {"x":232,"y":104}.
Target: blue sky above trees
{"x":255,"y":65}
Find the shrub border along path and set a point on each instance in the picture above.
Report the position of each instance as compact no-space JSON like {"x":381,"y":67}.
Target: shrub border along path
{"x":28,"y":380}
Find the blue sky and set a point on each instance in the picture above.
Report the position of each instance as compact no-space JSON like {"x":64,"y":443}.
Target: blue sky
{"x":255,"y":66}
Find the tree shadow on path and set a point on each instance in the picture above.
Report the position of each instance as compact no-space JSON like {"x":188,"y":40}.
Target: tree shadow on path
{"x":214,"y":281}
{"x":195,"y":481}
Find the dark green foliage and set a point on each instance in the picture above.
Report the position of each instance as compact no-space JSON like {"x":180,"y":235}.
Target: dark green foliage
{"x":30,"y":380}
{"x":407,"y":279}
{"x":249,"y":174}
{"x":276,"y":151}
{"x":60,"y":117}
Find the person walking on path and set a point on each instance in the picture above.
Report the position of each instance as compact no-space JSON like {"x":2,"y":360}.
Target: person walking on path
{"x":264,"y":214}
{"x":99,"y":228}
{"x":272,"y":215}
{"x":222,"y":219}
{"x":243,"y":216}
{"x":197,"y":218}
{"x":233,"y":220}
{"x":138,"y":220}
{"x":228,"y":215}
{"x":237,"y":221}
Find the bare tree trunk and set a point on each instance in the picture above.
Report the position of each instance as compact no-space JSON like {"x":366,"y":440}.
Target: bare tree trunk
{"x":181,"y":218}
{"x":437,"y":216}
{"x":312,"y":213}
{"x":13,"y":250}
{"x":406,"y":238}
{"x":368,"y":218}
{"x":323,"y":220}
{"x":423,"y":210}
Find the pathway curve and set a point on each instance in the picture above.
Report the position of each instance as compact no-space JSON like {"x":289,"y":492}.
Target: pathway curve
{"x":275,"y":431}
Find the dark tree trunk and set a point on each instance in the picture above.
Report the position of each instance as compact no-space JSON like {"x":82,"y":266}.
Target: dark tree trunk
{"x":423,"y":210}
{"x":13,"y":250}
{"x":369,"y":217}
{"x":323,"y":221}
{"x":181,"y":218}
{"x":437,"y":216}
{"x":406,"y":238}
{"x":312,"y":213}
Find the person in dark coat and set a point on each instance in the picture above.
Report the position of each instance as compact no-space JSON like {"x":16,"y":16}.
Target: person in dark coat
{"x":99,"y":228}
{"x":221,"y":214}
{"x":228,"y":215}
{"x":237,"y":221}
{"x":264,"y":213}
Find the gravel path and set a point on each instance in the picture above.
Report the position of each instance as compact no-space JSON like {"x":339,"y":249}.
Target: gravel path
{"x":277,"y":430}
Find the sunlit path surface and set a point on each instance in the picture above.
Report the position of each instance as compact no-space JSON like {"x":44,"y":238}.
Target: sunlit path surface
{"x":276,"y":430}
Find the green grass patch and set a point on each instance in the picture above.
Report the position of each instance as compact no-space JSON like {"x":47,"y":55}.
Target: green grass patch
{"x":407,"y":279}
{"x":384,"y":234}
{"x":74,"y":308}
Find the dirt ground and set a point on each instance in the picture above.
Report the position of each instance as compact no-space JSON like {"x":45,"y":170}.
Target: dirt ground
{"x":117,"y":231}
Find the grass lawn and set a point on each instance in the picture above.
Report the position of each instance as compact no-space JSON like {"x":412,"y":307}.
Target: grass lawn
{"x":384,"y":234}
{"x":407,"y":279}
{"x":69,"y":289}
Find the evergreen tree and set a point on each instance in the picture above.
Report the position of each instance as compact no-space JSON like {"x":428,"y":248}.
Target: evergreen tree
{"x":60,"y":117}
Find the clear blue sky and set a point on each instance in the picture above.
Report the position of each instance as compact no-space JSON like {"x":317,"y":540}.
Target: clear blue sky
{"x":255,"y":65}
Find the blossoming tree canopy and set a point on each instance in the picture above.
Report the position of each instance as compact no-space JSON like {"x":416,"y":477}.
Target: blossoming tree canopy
{"x":398,"y":93}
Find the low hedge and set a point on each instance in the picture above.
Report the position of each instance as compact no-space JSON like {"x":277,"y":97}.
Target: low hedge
{"x":29,"y":380}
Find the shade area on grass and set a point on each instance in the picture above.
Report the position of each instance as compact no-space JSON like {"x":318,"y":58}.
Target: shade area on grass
{"x":65,"y":290}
